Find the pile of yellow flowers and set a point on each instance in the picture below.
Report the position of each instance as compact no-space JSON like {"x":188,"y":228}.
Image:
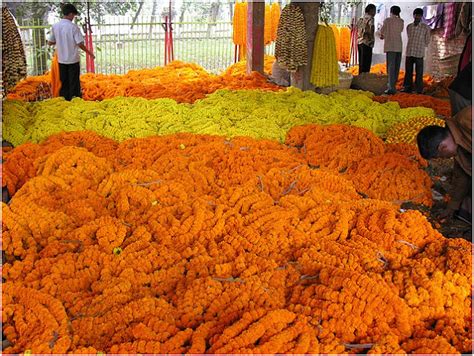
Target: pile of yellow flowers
{"x":406,"y":131}
{"x":192,"y":244}
{"x":325,"y":69}
{"x":251,"y":113}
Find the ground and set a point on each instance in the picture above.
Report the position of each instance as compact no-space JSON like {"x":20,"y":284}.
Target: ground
{"x":440,"y":172}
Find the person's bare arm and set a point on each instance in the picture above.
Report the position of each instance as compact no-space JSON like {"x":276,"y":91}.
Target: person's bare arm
{"x":81,"y":46}
{"x":51,"y":43}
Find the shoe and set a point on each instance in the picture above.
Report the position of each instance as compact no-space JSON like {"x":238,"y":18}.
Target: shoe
{"x":463,"y":215}
{"x":404,"y":90}
{"x":389,"y":92}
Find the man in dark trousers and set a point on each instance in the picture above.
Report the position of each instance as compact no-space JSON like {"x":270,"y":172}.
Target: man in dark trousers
{"x":418,"y":39}
{"x":68,"y":39}
{"x":454,"y":140}
{"x":366,"y":38}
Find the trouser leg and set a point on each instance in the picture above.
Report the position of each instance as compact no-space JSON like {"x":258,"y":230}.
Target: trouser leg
{"x":74,"y":76}
{"x":419,"y":75}
{"x":391,"y":71}
{"x":408,"y":81}
{"x":64,"y":76}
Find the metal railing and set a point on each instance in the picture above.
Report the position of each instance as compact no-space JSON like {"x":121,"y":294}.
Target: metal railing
{"x":120,"y":47}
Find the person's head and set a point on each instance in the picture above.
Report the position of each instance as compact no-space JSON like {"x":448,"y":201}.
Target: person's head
{"x":69,"y":11}
{"x":370,"y":9}
{"x":417,"y":15}
{"x":436,"y":142}
{"x":395,"y":10}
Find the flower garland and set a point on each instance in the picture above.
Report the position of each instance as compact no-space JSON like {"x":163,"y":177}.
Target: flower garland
{"x":325,"y":69}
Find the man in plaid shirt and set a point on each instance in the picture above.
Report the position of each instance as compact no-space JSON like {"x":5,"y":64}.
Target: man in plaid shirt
{"x":418,"y":39}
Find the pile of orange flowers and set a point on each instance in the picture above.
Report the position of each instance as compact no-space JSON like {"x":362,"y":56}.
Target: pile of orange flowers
{"x":183,"y":82}
{"x":198,"y":244}
{"x":377,"y":170}
{"x":342,"y":35}
{"x":395,"y":173}
{"x":381,"y":68}
{"x":440,"y":106}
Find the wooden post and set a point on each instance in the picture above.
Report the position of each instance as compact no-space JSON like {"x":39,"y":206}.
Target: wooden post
{"x":310,"y":9}
{"x":255,"y":33}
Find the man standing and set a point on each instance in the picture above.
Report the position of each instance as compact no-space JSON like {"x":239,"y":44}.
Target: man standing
{"x":391,"y":33}
{"x":418,"y":39}
{"x":68,"y":39}
{"x":366,"y":38}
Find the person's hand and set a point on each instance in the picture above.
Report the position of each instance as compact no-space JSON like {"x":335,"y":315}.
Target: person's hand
{"x":446,"y":213}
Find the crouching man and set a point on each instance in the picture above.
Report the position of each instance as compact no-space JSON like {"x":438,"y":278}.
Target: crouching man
{"x":454,"y":140}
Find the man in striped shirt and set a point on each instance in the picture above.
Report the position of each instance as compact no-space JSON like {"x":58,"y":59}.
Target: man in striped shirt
{"x":391,"y":33}
{"x":418,"y":39}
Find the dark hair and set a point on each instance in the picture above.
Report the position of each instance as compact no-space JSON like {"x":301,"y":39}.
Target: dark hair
{"x":428,"y":140}
{"x":370,"y":7}
{"x":68,"y":9}
{"x":418,"y":11}
{"x":395,"y":10}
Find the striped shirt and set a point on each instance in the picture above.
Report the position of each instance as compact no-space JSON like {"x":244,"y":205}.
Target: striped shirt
{"x":418,"y":39}
{"x":391,"y":31}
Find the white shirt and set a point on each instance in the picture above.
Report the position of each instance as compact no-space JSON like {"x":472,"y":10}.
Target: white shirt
{"x":67,"y":36}
{"x":392,"y":32}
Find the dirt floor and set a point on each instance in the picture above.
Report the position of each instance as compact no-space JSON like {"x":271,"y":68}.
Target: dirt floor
{"x":440,"y":172}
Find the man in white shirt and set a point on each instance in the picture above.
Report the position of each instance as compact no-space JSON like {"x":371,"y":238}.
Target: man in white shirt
{"x":68,"y":39}
{"x":418,"y":39}
{"x":391,"y":33}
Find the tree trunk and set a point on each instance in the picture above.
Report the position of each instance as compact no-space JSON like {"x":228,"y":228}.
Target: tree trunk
{"x":301,"y":79}
{"x":255,"y":36}
{"x":231,"y":11}
{"x":40,"y":17}
{"x":215,"y":6}
{"x":153,"y":18}
{"x":136,"y":14}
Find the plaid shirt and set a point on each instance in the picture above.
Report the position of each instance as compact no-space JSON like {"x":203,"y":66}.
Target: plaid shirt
{"x":418,"y":39}
{"x":392,"y":34}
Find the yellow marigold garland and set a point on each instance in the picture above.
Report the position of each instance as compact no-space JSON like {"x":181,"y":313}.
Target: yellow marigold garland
{"x":229,"y":113}
{"x":325,"y":69}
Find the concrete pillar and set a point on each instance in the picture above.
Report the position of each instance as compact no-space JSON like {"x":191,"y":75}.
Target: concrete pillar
{"x":255,"y":35}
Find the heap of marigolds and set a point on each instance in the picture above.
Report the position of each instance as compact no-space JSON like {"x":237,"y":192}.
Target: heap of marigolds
{"x":183,"y":82}
{"x":200,"y":244}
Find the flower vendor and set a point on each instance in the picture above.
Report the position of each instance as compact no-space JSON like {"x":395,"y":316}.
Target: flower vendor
{"x":454,"y":140}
